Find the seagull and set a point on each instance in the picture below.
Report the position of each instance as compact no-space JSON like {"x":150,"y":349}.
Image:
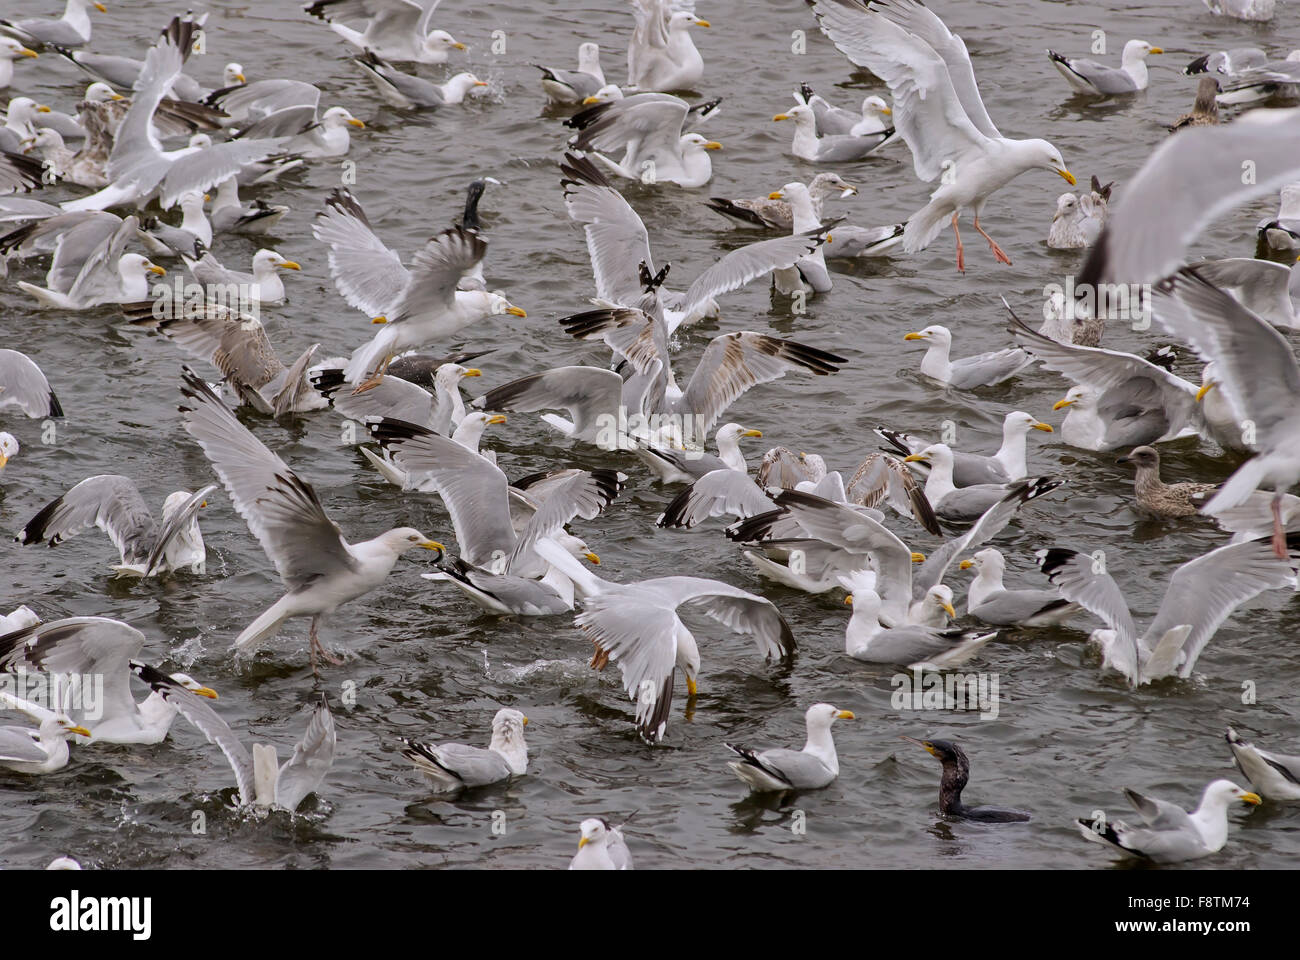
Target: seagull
{"x":320,"y":569}
{"x":776,"y":214}
{"x":651,"y":130}
{"x":79,"y":650}
{"x":43,"y":750}
{"x":1155,"y":498}
{"x":938,"y":111}
{"x":917,"y":645}
{"x":113,"y":504}
{"x":404,"y":90}
{"x":395,"y":29}
{"x":956,"y":773}
{"x":1273,"y":775}
{"x":574,"y":86}
{"x":661,"y":54}
{"x":1097,"y":79}
{"x":1169,"y":834}
{"x":601,"y":847}
{"x":980,"y":370}
{"x":829,"y":147}
{"x":837,"y":121}
{"x":70,"y":30}
{"x":813,"y":767}
{"x":11,"y":50}
{"x":450,"y":767}
{"x":955,"y":503}
{"x":1201,"y":594}
{"x":263,"y":285}
{"x":989,"y":601}
{"x":1009,"y":463}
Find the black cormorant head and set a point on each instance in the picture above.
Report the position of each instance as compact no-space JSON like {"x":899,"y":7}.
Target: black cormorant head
{"x":944,"y":750}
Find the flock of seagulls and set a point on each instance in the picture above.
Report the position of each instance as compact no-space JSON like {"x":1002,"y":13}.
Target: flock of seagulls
{"x":147,"y":139}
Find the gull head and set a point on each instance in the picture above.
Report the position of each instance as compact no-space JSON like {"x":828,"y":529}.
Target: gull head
{"x":193,"y":686}
{"x":464,"y":82}
{"x":932,"y":334}
{"x":1079,"y":396}
{"x":1066,"y":205}
{"x":610,"y":91}
{"x":440,"y":41}
{"x":801,"y":114}
{"x":939,"y":597}
{"x":408,"y":538}
{"x":132,"y":264}
{"x":874,"y":107}
{"x":681,"y":20}
{"x":1017,"y":421}
{"x":734,"y":432}
{"x":1224,"y":792}
{"x":233,"y":74}
{"x":199,"y":141}
{"x":861,"y":585}
{"x":1040,"y":153}
{"x":45,"y":139}
{"x":1145,"y":457}
{"x":265,"y":260}
{"x":936,"y":454}
{"x":1136,"y":50}
{"x":11,"y":49}
{"x":820,"y":716}
{"x":61,"y":728}
{"x":508,"y":724}
{"x":336,"y":117}
{"x":594,"y":831}
{"x":23,"y":109}
{"x":497,"y":305}
{"x":830,"y":184}
{"x":1208,"y":381}
{"x":694,"y":143}
{"x":988,"y":559}
{"x":100,"y":92}
{"x":450,"y":374}
{"x":8,"y":448}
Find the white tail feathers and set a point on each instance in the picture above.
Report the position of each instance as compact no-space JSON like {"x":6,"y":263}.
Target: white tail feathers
{"x":925,"y":226}
{"x":264,"y":627}
{"x":1238,"y":487}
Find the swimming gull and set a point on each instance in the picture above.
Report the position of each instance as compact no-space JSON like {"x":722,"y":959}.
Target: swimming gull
{"x":991,"y":602}
{"x":70,"y":30}
{"x":831,"y":147}
{"x":574,"y":86}
{"x":395,"y":29}
{"x":450,"y":767}
{"x":1155,"y":498}
{"x":1273,"y":775}
{"x":966,"y":373}
{"x":650,"y":129}
{"x":661,"y":54}
{"x":779,"y":769}
{"x":601,"y":846}
{"x":404,"y":90}
{"x":263,"y":285}
{"x":1097,"y":79}
{"x":916,"y":645}
{"x":11,"y":50}
{"x":775,"y":214}
{"x":40,"y":750}
{"x":1169,"y":834}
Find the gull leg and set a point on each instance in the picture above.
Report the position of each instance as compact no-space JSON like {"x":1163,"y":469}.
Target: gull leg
{"x":961,"y":259}
{"x":997,"y":251}
{"x":375,"y":378}
{"x":1279,"y":535}
{"x":318,"y":649}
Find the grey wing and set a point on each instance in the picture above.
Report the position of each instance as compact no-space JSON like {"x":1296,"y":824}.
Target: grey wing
{"x":22,"y":384}
{"x":289,"y":122}
{"x":18,"y":744}
{"x":368,"y":275}
{"x":1158,"y":814}
{"x":207,"y":721}
{"x":582,"y":494}
{"x":1189,"y":181}
{"x":261,"y":98}
{"x":748,"y":263}
{"x":436,"y":269}
{"x":1257,"y":370}
{"x":1015,"y":606}
{"x":313,"y":755}
{"x":1204,"y":592}
{"x":737,"y":610}
{"x":843,"y":149}
{"x":1261,"y":286}
{"x":1103,"y":78}
{"x":734,"y":362}
{"x":392,"y":397}
{"x":281,"y":509}
{"x":589,"y":394}
{"x":97,"y":278}
{"x":1083,"y":579}
{"x":200,"y":172}
{"x":474,"y":766}
{"x":797,"y":768}
{"x":473,"y":489}
{"x":235,"y":344}
{"x":718,"y":493}
{"x":651,"y":121}
{"x":617,"y":240}
{"x":137,"y":138}
{"x":107,"y":501}
{"x":986,"y":369}
{"x":918,"y":19}
{"x":173,"y":524}
{"x":850,"y":241}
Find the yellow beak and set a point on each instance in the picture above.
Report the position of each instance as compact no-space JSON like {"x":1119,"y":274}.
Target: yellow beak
{"x":28,"y":53}
{"x":752,"y":433}
{"x":82,"y":731}
{"x":525,"y":721}
{"x":849,"y":599}
{"x":516,"y":311}
{"x":713,"y":145}
{"x":1253,"y":799}
{"x":42,"y":109}
{"x":916,"y":458}
{"x":914,"y":336}
{"x":356,"y":123}
{"x":154,"y":268}
{"x":459,"y":46}
{"x":918,"y":557}
{"x":205,"y":692}
{"x":702,"y":23}
{"x":496,"y":418}
{"x":433,"y":545}
{"x":691,"y":688}
{"x":592,"y":558}
{"x":1205,"y":388}
{"x":846,"y":715}
{"x":241,"y":78}
{"x":118,"y":96}
{"x":1061,"y":403}
{"x":1156,"y":50}
{"x":590,"y":100}
{"x":776,"y":195}
{"x":101,"y":8}
{"x":289,"y":265}
{"x":1045,"y":427}
{"x":781,"y":116}
{"x":3,"y":460}
{"x":480,"y":83}
{"x":582,"y":843}
{"x":965,"y":564}
{"x":886,"y":111}
{"x":1067,"y":176}
{"x":947,"y":608}
{"x":473,"y":372}
{"x":379,"y":320}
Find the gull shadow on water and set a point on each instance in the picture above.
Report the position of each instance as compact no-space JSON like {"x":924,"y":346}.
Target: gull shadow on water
{"x":1083,"y":106}
{"x":750,"y":813}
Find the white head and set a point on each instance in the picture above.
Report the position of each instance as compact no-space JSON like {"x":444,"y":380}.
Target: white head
{"x":681,"y":20}
{"x":45,"y":139}
{"x":1078,"y":396}
{"x":440,"y":42}
{"x":497,"y":305}
{"x":1040,"y":153}
{"x":471,"y":428}
{"x":508,"y":738}
{"x":830,"y":184}
{"x":875,"y":107}
{"x":22,"y":110}
{"x":693,"y":143}
{"x":1066,"y":205}
{"x":820,"y":716}
{"x":449,"y":375}
{"x":193,"y":686}
{"x":988,"y":561}
{"x":1136,"y":50}
{"x":939,"y":597}
{"x":933,"y":334}
{"x":1019,"y":422}
{"x":1221,"y":794}
{"x":588,"y":57}
{"x":335,"y":118}
{"x":200,"y":141}
{"x":191,"y":202}
{"x":265,"y":261}
{"x":99,"y":92}
{"x":801,"y":114}
{"x":63,"y":863}
{"x":61,"y":728}
{"x":861,"y":585}
{"x":233,"y":75}
{"x":593,"y":831}
{"x":402,"y":539}
{"x":732,"y":432}
{"x":938,"y":455}
{"x":610,"y":91}
{"x":8,"y":448}
{"x":11,"y":49}
{"x":462,"y":83}
{"x":132,"y":266}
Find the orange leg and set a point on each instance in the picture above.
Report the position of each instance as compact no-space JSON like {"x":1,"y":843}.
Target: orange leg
{"x":961,"y":259}
{"x":997,"y":251}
